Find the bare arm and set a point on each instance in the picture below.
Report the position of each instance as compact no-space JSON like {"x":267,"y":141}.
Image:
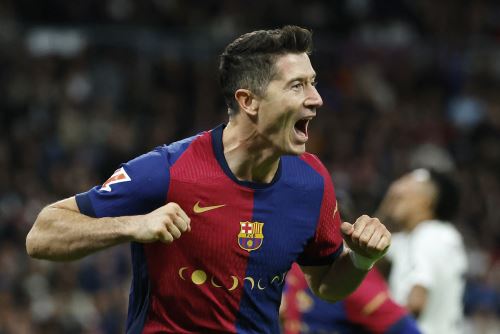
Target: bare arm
{"x":417,"y":300}
{"x":62,"y":233}
{"x":335,"y":282}
{"x":367,"y":240}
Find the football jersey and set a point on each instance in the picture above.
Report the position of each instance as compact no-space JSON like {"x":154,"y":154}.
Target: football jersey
{"x":431,"y":255}
{"x":369,"y":309}
{"x":227,"y":274}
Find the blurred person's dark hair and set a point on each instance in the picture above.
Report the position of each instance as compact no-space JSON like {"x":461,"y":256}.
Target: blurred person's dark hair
{"x":345,"y":205}
{"x":447,"y":195}
{"x":249,"y":61}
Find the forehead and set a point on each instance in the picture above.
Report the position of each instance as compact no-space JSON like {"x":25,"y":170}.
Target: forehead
{"x":416,"y":181}
{"x":293,"y":65}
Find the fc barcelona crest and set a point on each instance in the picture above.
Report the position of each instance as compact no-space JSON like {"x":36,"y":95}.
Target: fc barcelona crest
{"x":250,"y":237}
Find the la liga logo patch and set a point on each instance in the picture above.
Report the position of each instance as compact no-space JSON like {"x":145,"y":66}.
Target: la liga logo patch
{"x":120,"y":175}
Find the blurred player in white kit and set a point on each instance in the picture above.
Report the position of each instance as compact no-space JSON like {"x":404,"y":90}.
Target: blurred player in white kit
{"x":428,"y":255}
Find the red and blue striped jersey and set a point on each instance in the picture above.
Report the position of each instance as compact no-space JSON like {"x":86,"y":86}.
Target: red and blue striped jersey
{"x":369,"y":309}
{"x":227,"y":274}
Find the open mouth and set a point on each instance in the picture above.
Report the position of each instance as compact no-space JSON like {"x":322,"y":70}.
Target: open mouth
{"x":301,"y":127}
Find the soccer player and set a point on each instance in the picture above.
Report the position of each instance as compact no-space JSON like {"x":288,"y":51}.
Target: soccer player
{"x":369,"y":309}
{"x":428,"y":257}
{"x":216,"y":220}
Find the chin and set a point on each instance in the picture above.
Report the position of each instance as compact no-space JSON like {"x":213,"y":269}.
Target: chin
{"x":296,"y":149}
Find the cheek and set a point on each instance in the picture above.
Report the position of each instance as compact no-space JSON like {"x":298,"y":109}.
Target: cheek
{"x":278,"y":121}
{"x":400,"y":208}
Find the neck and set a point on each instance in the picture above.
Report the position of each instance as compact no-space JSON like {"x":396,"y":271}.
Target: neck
{"x":248,"y":154}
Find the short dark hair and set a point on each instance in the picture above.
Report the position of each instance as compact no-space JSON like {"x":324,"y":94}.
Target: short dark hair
{"x":448,"y":196}
{"x":249,"y":61}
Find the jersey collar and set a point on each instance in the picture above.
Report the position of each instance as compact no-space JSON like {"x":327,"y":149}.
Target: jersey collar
{"x":219,"y":155}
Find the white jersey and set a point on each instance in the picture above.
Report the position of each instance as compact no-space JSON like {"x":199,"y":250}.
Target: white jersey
{"x":433,"y":256}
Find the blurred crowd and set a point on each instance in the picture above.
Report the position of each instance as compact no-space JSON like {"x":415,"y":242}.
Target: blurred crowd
{"x":86,"y":85}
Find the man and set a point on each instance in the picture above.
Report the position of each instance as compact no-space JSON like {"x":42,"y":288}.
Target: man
{"x":216,"y":220}
{"x":428,"y":256}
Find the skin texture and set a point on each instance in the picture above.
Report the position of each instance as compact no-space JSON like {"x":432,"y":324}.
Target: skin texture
{"x":408,"y":202}
{"x":254,"y":139}
{"x":62,"y":233}
{"x":263,"y":130}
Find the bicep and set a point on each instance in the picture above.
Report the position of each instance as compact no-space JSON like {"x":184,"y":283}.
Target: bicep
{"x":66,"y":204}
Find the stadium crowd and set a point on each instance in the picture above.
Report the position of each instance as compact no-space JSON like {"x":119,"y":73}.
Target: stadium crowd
{"x":87,"y":85}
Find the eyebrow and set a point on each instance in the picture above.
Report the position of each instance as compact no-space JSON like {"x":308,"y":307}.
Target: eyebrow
{"x":301,"y":78}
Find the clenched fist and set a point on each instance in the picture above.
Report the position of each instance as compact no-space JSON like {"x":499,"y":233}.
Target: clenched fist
{"x":367,"y":237}
{"x":165,"y":224}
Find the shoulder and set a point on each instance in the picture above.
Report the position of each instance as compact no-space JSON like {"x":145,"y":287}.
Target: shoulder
{"x":315,"y":163}
{"x":151,"y":167}
{"x":438,"y":237}
{"x":160,"y":156}
{"x":173,"y":151}
{"x":437,"y":230}
{"x":305,"y":171}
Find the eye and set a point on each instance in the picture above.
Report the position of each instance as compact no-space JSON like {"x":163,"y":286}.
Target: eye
{"x":314,"y":83}
{"x":297,"y":86}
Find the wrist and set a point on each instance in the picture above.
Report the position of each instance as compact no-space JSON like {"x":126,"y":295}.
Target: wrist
{"x":127,"y":227}
{"x":361,"y":262}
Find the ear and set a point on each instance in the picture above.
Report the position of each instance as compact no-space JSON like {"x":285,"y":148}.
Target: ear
{"x":247,"y":101}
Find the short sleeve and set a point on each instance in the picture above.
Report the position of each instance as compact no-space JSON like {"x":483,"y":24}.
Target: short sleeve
{"x":327,"y":243}
{"x":136,"y":187}
{"x":426,"y":252}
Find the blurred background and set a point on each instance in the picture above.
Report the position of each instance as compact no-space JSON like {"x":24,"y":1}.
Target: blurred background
{"x":86,"y":85}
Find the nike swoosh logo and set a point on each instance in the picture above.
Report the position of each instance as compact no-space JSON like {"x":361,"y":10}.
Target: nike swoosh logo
{"x":199,"y":209}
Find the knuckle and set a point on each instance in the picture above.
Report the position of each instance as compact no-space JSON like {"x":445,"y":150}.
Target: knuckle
{"x":364,"y":239}
{"x":172,"y":206}
{"x":171,"y":215}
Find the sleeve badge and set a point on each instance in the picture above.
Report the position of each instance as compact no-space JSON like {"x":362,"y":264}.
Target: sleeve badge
{"x":120,"y":175}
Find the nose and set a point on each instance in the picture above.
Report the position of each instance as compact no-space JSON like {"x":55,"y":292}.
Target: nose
{"x":313,"y":99}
